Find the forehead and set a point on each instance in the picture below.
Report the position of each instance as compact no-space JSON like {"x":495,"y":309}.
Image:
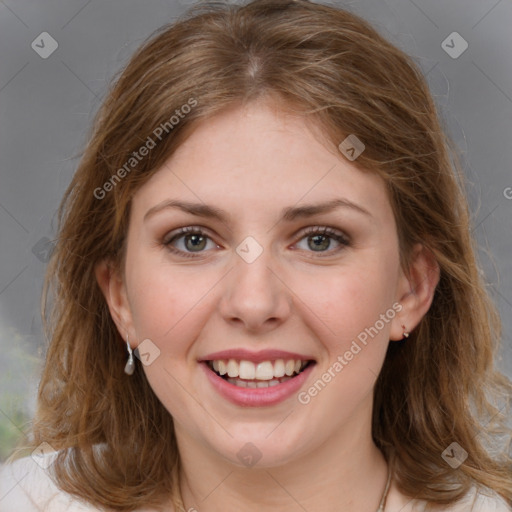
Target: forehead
{"x":260,"y":157}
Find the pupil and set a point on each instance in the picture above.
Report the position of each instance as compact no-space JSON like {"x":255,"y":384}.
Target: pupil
{"x":325,"y":240}
{"x":195,"y":239}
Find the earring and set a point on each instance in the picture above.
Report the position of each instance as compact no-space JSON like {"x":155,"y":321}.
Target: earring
{"x":130,"y":365}
{"x":406,"y":334}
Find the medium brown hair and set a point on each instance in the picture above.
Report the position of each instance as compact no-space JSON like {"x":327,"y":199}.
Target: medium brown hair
{"x":328,"y":65}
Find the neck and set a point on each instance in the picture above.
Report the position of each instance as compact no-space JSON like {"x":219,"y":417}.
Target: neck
{"x":348,"y":473}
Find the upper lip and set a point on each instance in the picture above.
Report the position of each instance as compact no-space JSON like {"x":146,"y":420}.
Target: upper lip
{"x":256,"y":357}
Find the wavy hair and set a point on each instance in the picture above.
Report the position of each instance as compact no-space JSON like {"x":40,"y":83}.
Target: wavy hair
{"x":117,"y":441}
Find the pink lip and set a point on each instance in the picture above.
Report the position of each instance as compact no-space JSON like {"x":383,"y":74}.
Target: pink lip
{"x":255,"y":357}
{"x":256,"y":397}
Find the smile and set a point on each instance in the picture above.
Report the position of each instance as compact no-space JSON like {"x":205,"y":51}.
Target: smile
{"x":246,"y":374}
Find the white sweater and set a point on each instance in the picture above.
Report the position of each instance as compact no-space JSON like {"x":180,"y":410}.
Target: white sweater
{"x":26,"y":487}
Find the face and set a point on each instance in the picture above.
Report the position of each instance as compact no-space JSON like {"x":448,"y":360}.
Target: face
{"x":263,"y":282}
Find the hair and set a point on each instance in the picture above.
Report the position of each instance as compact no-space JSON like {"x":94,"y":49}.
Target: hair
{"x":116,"y":441}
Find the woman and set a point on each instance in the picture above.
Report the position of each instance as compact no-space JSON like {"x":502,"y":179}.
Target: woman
{"x":268,"y":211}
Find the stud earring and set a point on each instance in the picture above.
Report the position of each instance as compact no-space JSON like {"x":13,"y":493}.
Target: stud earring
{"x":130,"y":365}
{"x":406,"y":334}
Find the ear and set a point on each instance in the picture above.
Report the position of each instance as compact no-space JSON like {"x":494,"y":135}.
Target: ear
{"x":114,"y":289}
{"x":415,"y":292}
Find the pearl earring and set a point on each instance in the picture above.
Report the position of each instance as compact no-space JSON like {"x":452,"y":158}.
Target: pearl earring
{"x":130,"y":365}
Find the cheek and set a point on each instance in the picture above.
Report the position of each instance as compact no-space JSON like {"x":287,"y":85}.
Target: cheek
{"x":167,"y":304}
{"x":352,"y":310}
{"x":348,"y":300}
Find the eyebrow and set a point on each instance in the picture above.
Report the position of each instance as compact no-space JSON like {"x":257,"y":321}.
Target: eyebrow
{"x":288,"y":214}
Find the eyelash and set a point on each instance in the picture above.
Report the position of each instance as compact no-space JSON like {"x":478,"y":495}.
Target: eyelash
{"x":316,"y":230}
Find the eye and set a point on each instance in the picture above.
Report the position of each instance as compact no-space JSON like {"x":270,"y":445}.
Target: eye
{"x":194,"y":241}
{"x":319,"y":239}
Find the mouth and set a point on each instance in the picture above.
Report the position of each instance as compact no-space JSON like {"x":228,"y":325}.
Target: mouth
{"x":247,"y":374}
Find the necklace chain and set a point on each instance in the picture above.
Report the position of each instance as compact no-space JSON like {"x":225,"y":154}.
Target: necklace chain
{"x":382,"y":504}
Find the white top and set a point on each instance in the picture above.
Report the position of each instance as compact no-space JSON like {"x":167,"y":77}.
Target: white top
{"x":25,"y":486}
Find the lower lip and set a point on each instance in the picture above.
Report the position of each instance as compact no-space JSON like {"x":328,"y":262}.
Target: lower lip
{"x":256,"y":397}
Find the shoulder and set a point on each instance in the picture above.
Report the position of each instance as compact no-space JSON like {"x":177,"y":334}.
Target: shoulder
{"x":477,"y":499}
{"x":486,"y":499}
{"x":480,"y":499}
{"x":26,"y":485}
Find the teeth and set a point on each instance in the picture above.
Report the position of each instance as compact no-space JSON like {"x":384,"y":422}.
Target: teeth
{"x":222,"y":367}
{"x":289,"y":367}
{"x":257,"y":384}
{"x":279,"y":368}
{"x":247,"y":370}
{"x":265,"y":371}
{"x":233,"y":368}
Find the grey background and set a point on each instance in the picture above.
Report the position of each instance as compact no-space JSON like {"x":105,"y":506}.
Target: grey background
{"x":46,"y":107}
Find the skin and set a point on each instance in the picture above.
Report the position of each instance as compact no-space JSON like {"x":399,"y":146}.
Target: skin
{"x":253,"y":161}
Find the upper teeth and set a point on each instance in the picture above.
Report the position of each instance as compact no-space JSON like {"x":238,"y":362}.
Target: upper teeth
{"x":266,"y":370}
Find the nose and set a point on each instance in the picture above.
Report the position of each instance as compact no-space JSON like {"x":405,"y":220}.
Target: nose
{"x":255,"y":296}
